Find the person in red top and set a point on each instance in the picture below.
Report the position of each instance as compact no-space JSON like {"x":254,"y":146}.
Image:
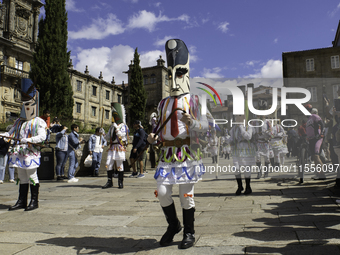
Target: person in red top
{"x":302,"y":129}
{"x":46,"y":117}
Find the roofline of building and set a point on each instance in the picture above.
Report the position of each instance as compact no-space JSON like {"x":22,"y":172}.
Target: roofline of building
{"x":149,"y":67}
{"x":289,"y":52}
{"x":337,"y":35}
{"x":97,"y":80}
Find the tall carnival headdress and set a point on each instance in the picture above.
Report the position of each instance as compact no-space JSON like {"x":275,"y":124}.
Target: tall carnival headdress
{"x":177,"y":56}
{"x":118,"y":113}
{"x":30,"y":100}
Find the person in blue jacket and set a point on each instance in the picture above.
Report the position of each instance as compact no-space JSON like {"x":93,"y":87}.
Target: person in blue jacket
{"x":61,"y":149}
{"x":97,"y":143}
{"x":73,"y":144}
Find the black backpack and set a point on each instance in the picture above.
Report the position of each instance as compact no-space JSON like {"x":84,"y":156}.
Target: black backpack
{"x":3,"y":147}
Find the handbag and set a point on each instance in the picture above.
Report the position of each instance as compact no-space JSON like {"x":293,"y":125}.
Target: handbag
{"x":88,"y":161}
{"x":78,"y":153}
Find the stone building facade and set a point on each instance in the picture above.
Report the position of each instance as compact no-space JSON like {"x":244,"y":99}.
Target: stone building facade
{"x":18,"y":37}
{"x":93,"y":97}
{"x":156,"y":83}
{"x":317,"y":70}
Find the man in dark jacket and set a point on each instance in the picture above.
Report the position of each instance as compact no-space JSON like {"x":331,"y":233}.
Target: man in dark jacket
{"x":293,"y":139}
{"x":138,"y":143}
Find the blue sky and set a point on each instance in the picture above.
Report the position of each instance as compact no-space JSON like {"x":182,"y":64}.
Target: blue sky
{"x":226,"y":38}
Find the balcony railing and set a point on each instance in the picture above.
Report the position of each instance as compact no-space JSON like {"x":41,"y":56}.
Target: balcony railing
{"x":11,"y":71}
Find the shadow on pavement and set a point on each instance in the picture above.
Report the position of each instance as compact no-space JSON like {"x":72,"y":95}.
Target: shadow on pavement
{"x":110,"y":245}
{"x":308,"y":214}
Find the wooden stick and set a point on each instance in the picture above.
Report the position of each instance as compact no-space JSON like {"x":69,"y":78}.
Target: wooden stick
{"x":158,"y":131}
{"x":16,"y":139}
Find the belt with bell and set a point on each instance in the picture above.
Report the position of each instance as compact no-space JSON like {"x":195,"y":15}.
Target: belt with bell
{"x":178,"y":142}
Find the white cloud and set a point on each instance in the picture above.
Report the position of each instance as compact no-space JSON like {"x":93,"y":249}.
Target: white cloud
{"x":272,"y":69}
{"x":250,"y":63}
{"x":161,"y":42}
{"x":332,"y":13}
{"x":103,"y":27}
{"x":99,"y":29}
{"x":132,"y":1}
{"x":112,"y":61}
{"x":212,"y":73}
{"x":184,"y":17}
{"x":192,"y":52}
{"x":223,"y":27}
{"x":158,"y":4}
{"x":71,"y":6}
{"x":276,"y":40}
{"x":149,"y":20}
{"x":149,"y":58}
{"x":205,"y":20}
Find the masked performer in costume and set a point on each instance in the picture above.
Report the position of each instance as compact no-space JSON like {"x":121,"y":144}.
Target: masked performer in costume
{"x":278,"y":144}
{"x":25,"y":156}
{"x":264,"y":148}
{"x":179,"y":162}
{"x":213,"y":146}
{"x":244,"y":152}
{"x":226,"y":146}
{"x":117,"y":136}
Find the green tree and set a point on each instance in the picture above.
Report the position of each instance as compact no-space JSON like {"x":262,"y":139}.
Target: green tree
{"x":137,"y":91}
{"x":51,"y":61}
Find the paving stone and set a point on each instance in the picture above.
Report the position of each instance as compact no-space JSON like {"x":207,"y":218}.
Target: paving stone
{"x":108,"y":221}
{"x":279,"y":217}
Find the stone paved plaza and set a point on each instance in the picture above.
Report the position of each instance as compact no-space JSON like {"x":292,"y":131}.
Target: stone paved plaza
{"x":279,"y":217}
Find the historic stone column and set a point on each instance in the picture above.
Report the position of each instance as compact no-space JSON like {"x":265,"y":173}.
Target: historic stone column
{"x":36,"y":23}
{"x":11,"y":18}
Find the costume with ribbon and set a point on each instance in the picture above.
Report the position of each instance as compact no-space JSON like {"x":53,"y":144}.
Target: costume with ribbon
{"x":178,"y":162}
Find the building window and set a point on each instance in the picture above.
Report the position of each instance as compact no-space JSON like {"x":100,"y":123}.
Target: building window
{"x":312,"y":90}
{"x":119,"y":98}
{"x":166,"y":80}
{"x":94,"y":91}
{"x":145,"y":79}
{"x":335,"y":62}
{"x":107,"y":95}
{"x":19,"y":65}
{"x":78,"y":107}
{"x":153,"y":79}
{"x":310,"y":64}
{"x":5,"y":60}
{"x":79,"y":85}
{"x":107,"y":114}
{"x":94,"y":110}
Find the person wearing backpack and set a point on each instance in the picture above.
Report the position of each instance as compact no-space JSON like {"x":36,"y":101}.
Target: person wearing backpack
{"x":138,"y":144}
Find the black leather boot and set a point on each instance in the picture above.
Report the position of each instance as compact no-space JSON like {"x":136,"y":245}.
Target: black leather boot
{"x":189,"y":232}
{"x":22,"y":200}
{"x":174,"y":225}
{"x":239,"y":183}
{"x":248,"y":188}
{"x":120,"y":179}
{"x":34,"y":197}
{"x":109,"y":183}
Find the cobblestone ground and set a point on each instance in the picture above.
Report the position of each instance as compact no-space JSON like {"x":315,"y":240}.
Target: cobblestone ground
{"x":279,"y":217}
